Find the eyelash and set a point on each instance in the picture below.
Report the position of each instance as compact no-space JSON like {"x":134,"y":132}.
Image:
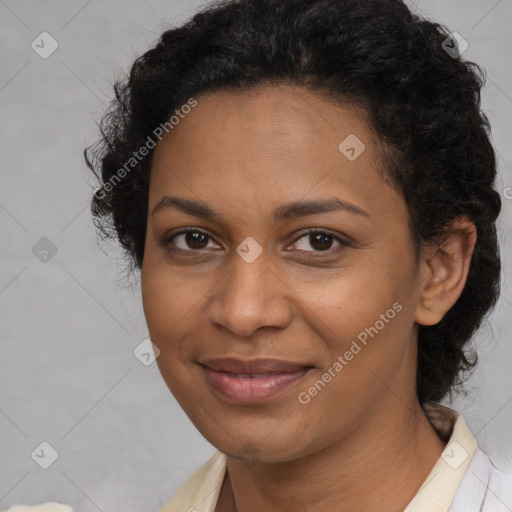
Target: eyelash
{"x":166,"y":240}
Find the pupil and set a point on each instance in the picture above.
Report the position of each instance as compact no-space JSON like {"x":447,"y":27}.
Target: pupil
{"x":193,"y":238}
{"x":322,"y":238}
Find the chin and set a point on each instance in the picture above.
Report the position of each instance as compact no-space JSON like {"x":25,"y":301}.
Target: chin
{"x":263,"y":450}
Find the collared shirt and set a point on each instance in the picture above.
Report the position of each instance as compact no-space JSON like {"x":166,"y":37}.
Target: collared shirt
{"x":463,"y":479}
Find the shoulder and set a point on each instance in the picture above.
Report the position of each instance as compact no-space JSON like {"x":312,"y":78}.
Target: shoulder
{"x":484,"y":487}
{"x":499,"y":489}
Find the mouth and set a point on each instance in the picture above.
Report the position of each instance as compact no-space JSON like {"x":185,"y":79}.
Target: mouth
{"x":249,"y":381}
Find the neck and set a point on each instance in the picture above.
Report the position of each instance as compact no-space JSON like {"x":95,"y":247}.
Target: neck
{"x":351,"y":474}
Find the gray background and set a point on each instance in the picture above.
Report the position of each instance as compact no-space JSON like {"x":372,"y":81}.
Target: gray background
{"x":69,"y":325}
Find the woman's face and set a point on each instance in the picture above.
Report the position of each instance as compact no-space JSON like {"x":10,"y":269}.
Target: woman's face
{"x":337,"y":306}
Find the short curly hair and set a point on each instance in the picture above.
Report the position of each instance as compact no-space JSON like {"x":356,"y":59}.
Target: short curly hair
{"x":423,"y":101}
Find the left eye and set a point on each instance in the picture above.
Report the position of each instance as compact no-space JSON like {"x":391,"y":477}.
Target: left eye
{"x":320,"y":240}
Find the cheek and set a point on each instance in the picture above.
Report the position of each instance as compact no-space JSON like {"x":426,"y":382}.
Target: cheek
{"x":352,"y":297}
{"x":174,"y":311}
{"x":164,"y":290}
{"x":163,"y":299}
{"x":364,"y":310}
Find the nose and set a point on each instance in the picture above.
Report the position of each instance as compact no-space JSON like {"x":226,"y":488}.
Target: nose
{"x":250,"y":296}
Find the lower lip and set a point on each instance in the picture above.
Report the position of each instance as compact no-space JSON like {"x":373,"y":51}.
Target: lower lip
{"x":249,"y":390}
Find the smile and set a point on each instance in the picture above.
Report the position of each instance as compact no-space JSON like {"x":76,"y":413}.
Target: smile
{"x":231,"y":379}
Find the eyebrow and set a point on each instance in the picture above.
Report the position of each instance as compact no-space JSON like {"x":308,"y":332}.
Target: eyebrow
{"x":292,"y":210}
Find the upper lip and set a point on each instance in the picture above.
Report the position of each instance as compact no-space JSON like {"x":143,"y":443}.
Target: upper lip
{"x":252,"y":366}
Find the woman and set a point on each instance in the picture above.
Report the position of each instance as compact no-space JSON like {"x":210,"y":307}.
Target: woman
{"x":307,"y":189}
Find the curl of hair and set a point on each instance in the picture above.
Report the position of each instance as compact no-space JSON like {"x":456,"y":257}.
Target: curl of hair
{"x":423,"y":104}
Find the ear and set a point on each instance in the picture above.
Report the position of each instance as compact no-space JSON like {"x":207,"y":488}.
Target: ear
{"x":444,"y":270}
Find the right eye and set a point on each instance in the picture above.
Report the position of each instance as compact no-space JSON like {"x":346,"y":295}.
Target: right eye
{"x":193,"y":240}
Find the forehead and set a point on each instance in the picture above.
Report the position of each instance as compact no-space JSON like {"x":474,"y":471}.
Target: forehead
{"x":271,"y":144}
{"x":294,"y":116}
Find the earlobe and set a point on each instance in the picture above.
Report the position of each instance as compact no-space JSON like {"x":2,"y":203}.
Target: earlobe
{"x":444,"y":270}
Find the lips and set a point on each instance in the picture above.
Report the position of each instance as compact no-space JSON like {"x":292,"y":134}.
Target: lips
{"x":252,"y":366}
{"x":252,"y":380}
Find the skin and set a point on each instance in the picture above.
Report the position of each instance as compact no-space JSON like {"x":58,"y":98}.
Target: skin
{"x":246,"y":154}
